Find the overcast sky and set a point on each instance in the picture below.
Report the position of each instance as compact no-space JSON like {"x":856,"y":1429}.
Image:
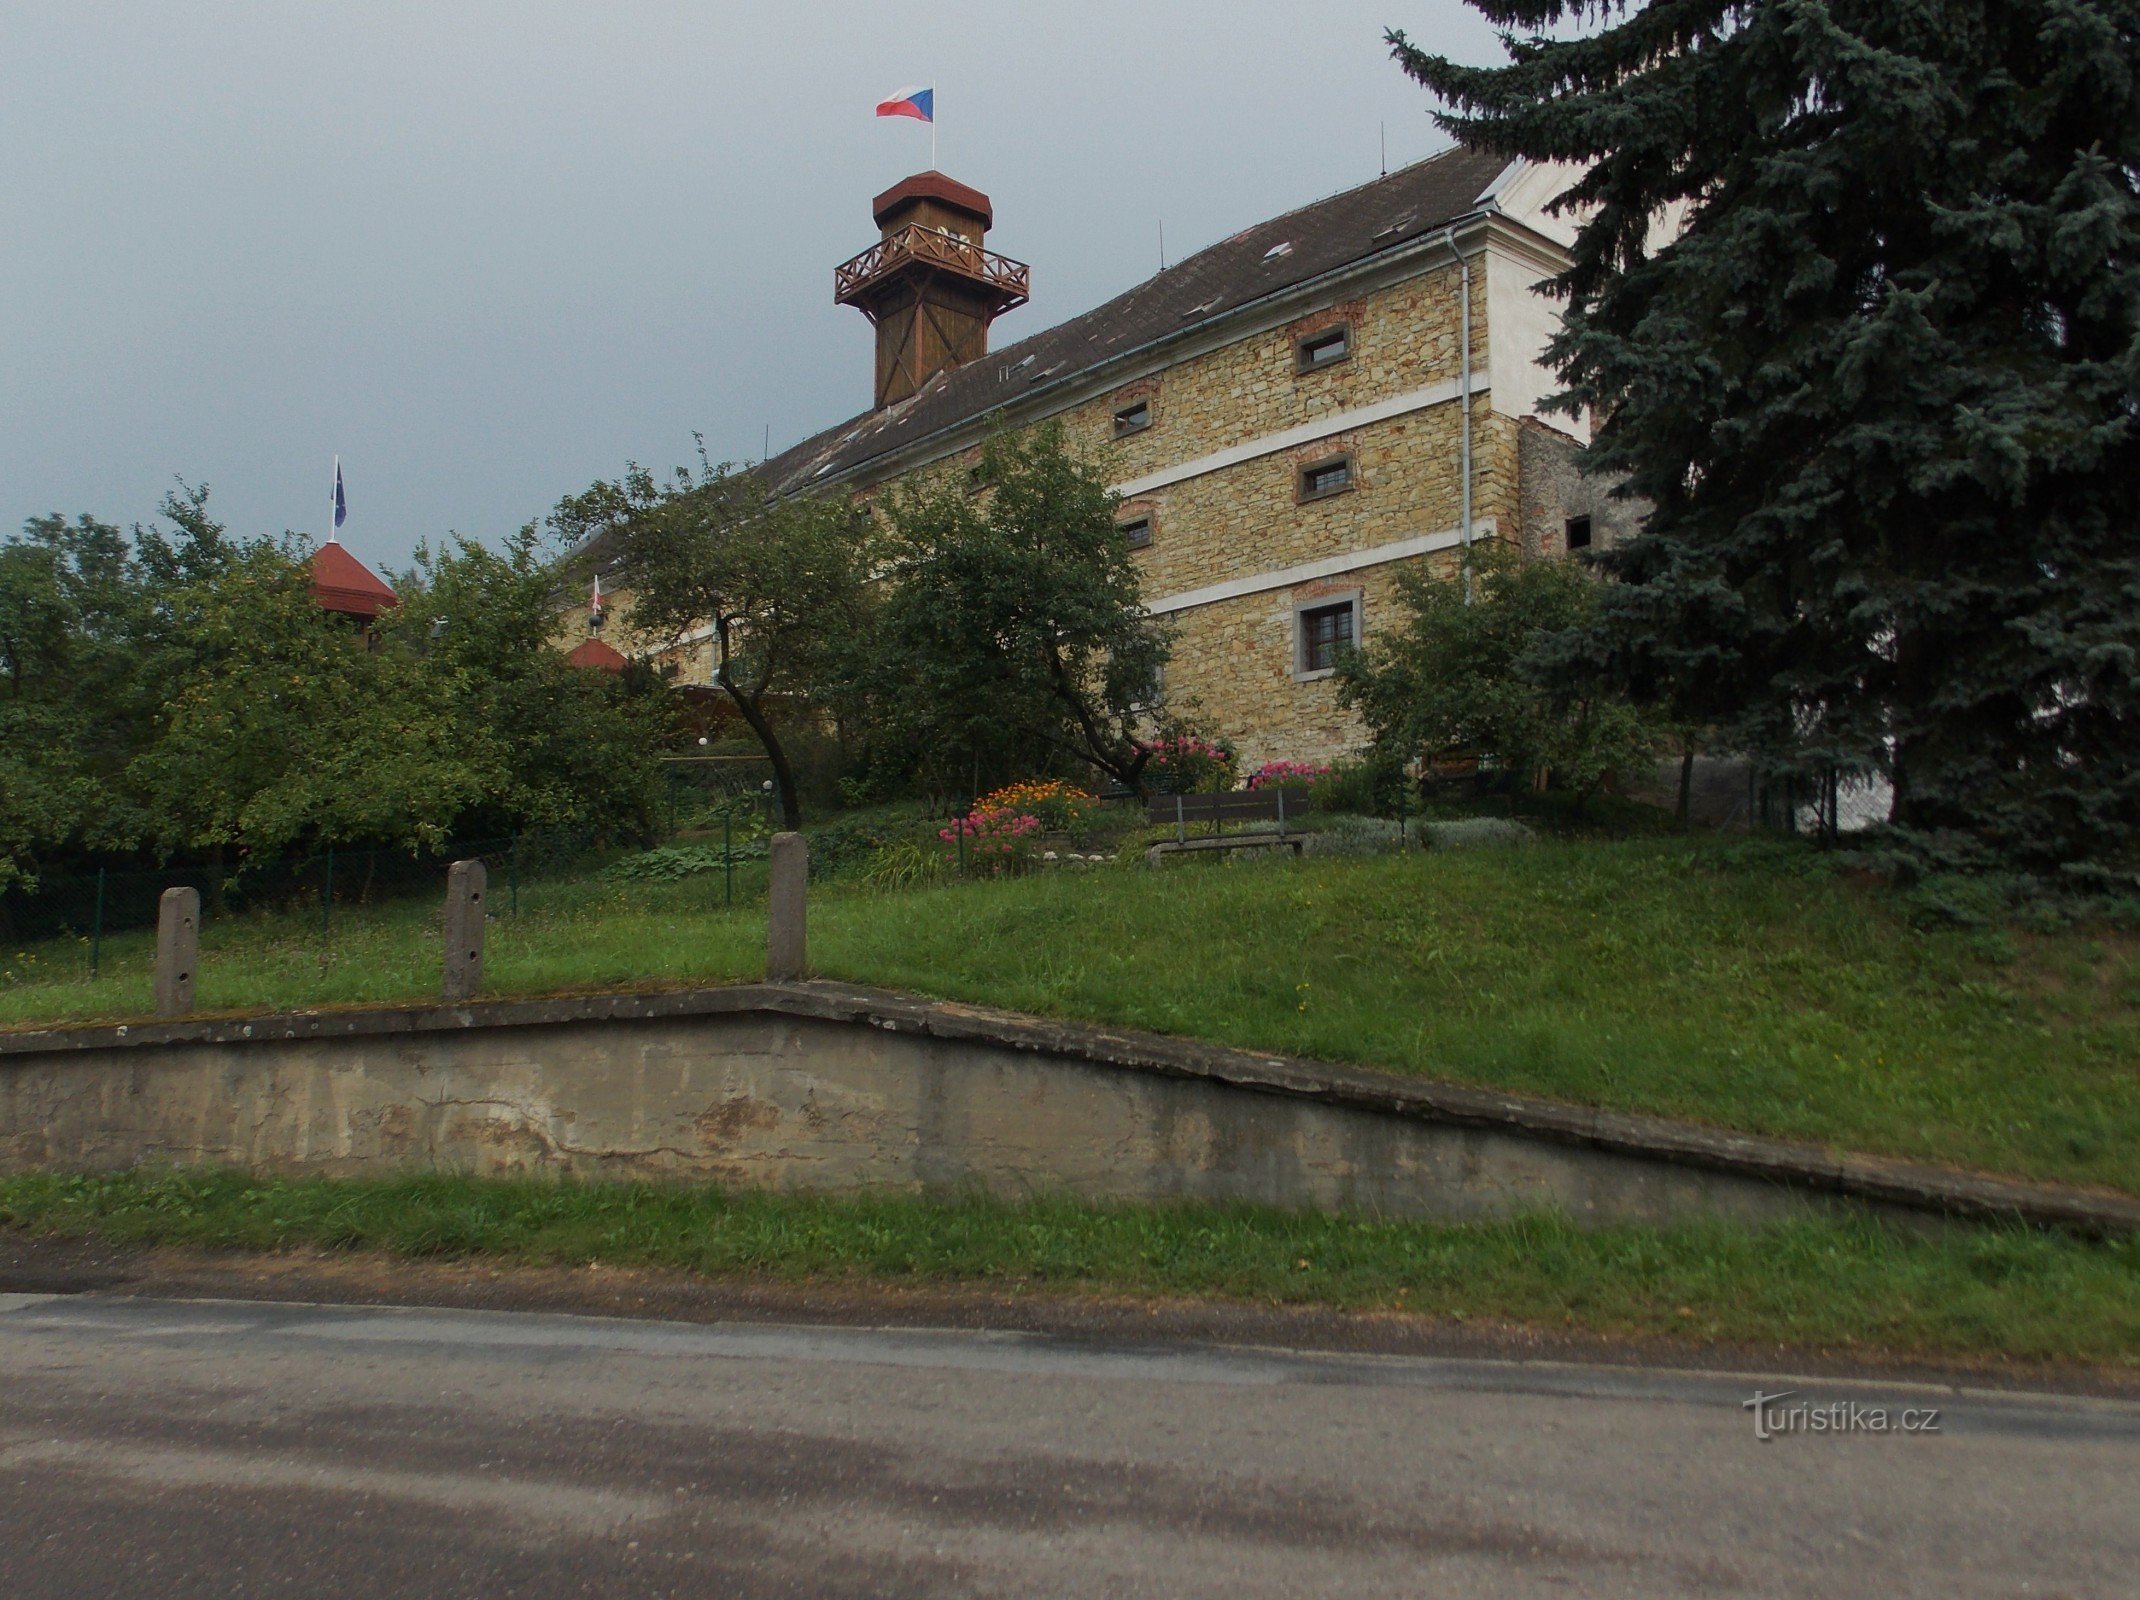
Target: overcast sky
{"x":491,"y":251}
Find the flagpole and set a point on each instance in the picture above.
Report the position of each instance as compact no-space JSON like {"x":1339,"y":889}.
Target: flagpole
{"x":334,"y":484}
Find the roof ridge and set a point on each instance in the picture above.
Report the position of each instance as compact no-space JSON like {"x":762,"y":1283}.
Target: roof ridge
{"x":1220,"y":244}
{"x":1339,"y":194}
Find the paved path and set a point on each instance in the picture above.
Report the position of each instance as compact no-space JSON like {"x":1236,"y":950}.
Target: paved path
{"x":221,"y":1448}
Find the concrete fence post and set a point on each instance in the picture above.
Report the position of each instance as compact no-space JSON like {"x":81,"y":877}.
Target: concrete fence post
{"x":466,"y":886}
{"x":178,"y":950}
{"x":787,"y":899}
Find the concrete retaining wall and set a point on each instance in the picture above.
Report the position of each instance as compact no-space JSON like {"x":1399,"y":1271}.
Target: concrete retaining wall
{"x":819,"y":1086}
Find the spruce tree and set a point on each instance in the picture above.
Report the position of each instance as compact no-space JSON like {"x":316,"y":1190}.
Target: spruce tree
{"x":1856,"y":303}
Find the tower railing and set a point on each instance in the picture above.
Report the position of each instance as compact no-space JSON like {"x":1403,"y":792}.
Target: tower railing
{"x":924,"y":246}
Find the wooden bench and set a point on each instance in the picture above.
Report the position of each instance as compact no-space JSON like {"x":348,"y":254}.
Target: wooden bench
{"x":1239,"y":805}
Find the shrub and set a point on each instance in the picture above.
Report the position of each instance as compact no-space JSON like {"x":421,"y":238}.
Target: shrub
{"x":1370,"y":787}
{"x":1469,"y":670}
{"x":1188,"y":763}
{"x":842,"y":844}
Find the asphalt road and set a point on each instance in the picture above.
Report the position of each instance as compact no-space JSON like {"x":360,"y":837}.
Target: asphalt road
{"x":220,"y":1448}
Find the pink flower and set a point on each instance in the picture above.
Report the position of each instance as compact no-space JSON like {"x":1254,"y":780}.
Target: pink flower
{"x":1298,"y":772}
{"x":990,"y":832}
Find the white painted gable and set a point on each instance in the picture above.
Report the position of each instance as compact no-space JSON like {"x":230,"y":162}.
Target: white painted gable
{"x":1524,"y":191}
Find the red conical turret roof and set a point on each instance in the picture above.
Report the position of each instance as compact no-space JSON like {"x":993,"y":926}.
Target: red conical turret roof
{"x":601,"y":656}
{"x":340,"y":582}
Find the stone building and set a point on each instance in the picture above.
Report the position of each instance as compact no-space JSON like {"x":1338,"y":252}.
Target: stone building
{"x":1288,"y":415}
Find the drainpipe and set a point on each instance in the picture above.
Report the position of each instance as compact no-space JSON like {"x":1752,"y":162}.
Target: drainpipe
{"x":1463,"y":272}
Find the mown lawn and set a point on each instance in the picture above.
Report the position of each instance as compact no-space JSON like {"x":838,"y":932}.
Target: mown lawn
{"x":1827,"y":1285}
{"x":1670,"y":976}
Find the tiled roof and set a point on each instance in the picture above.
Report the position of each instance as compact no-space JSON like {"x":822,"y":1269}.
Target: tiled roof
{"x":1273,"y":255}
{"x":598,"y":654}
{"x":340,"y":582}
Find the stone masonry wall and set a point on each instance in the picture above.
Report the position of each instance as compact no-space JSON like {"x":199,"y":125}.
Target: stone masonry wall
{"x":1235,"y":657}
{"x":1234,"y":666}
{"x":1405,"y":337}
{"x":1551,"y":490}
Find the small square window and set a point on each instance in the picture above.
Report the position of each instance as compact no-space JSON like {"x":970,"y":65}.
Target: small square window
{"x":1578,"y":533}
{"x":1136,"y":532}
{"x":1324,"y":632}
{"x":1322,"y":478}
{"x":1134,"y":418}
{"x":1319,"y":350}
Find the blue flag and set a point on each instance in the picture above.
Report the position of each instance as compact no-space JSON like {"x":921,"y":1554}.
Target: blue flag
{"x":341,"y":506}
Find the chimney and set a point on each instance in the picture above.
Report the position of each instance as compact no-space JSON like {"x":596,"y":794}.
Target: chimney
{"x":927,"y":285}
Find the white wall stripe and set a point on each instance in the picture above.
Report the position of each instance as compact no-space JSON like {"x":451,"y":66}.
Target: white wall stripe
{"x":1329,"y":567}
{"x":1397,"y":405}
{"x":1284,"y":578}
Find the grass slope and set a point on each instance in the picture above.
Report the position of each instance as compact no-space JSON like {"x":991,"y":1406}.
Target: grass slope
{"x":1830,"y":1285}
{"x":1667,"y":976}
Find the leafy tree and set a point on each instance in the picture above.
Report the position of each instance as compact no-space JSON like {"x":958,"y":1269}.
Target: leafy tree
{"x":545,"y":743}
{"x":273,"y":726}
{"x":1880,"y":385}
{"x":178,"y":691}
{"x":1473,"y":677}
{"x":65,"y":609}
{"x":781,"y":585}
{"x":1012,"y":620}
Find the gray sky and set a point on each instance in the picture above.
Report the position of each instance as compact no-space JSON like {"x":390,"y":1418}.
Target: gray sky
{"x":491,"y":251}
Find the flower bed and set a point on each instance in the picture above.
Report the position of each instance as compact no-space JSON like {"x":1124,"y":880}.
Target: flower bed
{"x":1060,"y":807}
{"x":1289,"y":774}
{"x":996,"y":839}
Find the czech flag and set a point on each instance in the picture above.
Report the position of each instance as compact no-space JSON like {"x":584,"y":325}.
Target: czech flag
{"x":920,"y":104}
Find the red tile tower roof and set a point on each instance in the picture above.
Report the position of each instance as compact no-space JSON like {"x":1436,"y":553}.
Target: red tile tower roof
{"x":342,"y":583}
{"x":598,"y":655}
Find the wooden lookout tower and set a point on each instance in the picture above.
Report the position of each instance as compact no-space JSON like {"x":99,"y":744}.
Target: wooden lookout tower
{"x":926,"y":284}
